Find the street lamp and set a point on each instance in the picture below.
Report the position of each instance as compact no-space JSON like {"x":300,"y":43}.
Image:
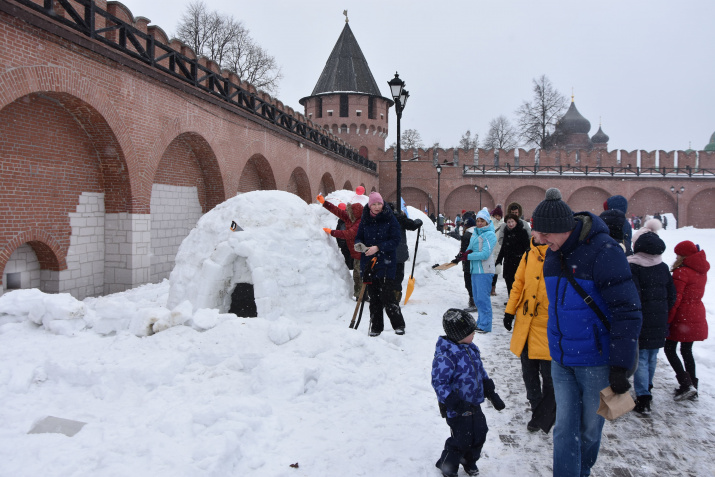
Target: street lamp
{"x":677,"y":203}
{"x":439,"y":174}
{"x":400,"y":95}
{"x":479,"y":189}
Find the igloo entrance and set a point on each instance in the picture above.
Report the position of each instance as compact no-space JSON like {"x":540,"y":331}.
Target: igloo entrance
{"x":243,"y":301}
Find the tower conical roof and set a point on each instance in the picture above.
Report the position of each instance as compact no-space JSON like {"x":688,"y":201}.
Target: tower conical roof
{"x":346,"y":69}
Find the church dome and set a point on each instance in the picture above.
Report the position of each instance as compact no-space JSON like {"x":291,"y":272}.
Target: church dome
{"x":711,"y":145}
{"x":572,"y":122}
{"x":600,"y":137}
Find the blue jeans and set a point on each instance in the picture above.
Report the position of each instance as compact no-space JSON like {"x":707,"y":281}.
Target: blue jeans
{"x":577,"y":433}
{"x":481,"y":291}
{"x":643,"y":378}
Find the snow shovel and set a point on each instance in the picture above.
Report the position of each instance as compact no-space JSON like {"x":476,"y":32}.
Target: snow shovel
{"x":411,"y":280}
{"x":361,"y":298}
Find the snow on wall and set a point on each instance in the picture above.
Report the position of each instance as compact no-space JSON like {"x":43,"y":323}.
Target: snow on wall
{"x":282,"y":250}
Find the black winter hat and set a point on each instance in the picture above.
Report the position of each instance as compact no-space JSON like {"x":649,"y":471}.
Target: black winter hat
{"x":649,"y":243}
{"x":458,"y":324}
{"x":553,"y":215}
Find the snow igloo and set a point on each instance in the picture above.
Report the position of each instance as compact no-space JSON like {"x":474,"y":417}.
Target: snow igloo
{"x":276,"y":260}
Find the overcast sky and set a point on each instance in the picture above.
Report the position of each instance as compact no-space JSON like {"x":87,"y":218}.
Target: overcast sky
{"x":644,"y":68}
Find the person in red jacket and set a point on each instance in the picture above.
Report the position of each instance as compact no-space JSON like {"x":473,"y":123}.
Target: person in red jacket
{"x":687,"y":317}
{"x":351,"y":216}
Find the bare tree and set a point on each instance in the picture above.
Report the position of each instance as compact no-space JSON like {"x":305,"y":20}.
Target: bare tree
{"x":501,"y":135}
{"x":468,"y":142}
{"x":537,"y":118}
{"x":227,"y":41}
{"x":411,"y":139}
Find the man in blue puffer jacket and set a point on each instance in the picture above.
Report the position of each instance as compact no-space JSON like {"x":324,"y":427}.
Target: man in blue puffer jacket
{"x":587,"y":355}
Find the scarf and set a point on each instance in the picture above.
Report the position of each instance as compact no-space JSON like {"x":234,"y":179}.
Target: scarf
{"x":644,"y":259}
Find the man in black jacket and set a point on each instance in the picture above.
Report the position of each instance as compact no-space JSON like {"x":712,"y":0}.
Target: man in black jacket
{"x":403,"y":253}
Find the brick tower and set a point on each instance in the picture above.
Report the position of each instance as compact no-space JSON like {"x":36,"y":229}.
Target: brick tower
{"x":347,"y":101}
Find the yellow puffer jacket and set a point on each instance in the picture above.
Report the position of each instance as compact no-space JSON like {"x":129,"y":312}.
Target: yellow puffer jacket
{"x":530,"y":305}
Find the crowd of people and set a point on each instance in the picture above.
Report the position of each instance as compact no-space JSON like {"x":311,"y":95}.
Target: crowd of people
{"x":590,"y":304}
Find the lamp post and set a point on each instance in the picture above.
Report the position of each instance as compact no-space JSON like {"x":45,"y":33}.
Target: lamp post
{"x":479,"y":189}
{"x":677,"y":193}
{"x":400,"y":95}
{"x":439,"y":174}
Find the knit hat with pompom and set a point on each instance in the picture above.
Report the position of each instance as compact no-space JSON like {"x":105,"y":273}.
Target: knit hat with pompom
{"x":458,"y":324}
{"x":553,"y":215}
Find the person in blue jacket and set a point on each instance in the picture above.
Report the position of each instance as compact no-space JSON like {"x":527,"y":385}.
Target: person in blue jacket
{"x":614,"y":214}
{"x":481,"y":265}
{"x":378,"y":236}
{"x":587,"y":353}
{"x":461,"y":384}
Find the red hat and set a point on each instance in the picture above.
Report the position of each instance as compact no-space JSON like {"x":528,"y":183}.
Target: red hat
{"x":686,"y":248}
{"x":341,"y":206}
{"x":463,"y":211}
{"x":605,"y":205}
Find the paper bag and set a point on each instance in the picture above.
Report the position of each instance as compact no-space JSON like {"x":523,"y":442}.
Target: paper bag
{"x":614,"y":405}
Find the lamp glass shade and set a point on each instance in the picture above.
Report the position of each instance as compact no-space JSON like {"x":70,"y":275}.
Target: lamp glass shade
{"x":672,"y":189}
{"x":396,"y":85}
{"x":439,"y":170}
{"x":403,"y":98}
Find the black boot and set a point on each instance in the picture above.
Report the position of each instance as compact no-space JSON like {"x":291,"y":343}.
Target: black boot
{"x":643,"y":404}
{"x":686,"y":389}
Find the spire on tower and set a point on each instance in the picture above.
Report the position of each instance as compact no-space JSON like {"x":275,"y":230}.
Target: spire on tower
{"x":345,"y":12}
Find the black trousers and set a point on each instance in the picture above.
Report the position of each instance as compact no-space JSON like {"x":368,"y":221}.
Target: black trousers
{"x":537,"y":378}
{"x":469,"y":433}
{"x":686,"y":349}
{"x":539,"y":390}
{"x":468,"y":282}
{"x":399,"y":275}
{"x":382,"y":297}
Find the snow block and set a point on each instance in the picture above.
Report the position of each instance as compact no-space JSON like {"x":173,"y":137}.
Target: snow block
{"x":57,"y":425}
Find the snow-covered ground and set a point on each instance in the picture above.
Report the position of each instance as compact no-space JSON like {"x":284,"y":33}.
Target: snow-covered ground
{"x":211,"y":394}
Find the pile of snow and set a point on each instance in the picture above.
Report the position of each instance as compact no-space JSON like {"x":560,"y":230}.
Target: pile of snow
{"x":256,"y":396}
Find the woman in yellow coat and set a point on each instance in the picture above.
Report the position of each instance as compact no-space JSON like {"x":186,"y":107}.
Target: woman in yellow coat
{"x":528,"y":310}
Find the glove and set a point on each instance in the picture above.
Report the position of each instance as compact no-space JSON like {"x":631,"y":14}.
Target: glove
{"x":463,"y":255}
{"x":327,"y":230}
{"x":497,"y":402}
{"x":454,"y":261}
{"x":321,"y":199}
{"x":418,"y":222}
{"x":618,"y":380}
{"x":488,"y":386}
{"x":508,"y":320}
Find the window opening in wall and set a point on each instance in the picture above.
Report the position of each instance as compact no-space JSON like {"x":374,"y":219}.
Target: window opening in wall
{"x":14,"y":281}
{"x":243,"y":301}
{"x":319,"y":107}
{"x":344,"y":106}
{"x":358,"y":112}
{"x":382,"y":116}
{"x":310,"y":115}
{"x":330,"y":112}
{"x":371,"y":107}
